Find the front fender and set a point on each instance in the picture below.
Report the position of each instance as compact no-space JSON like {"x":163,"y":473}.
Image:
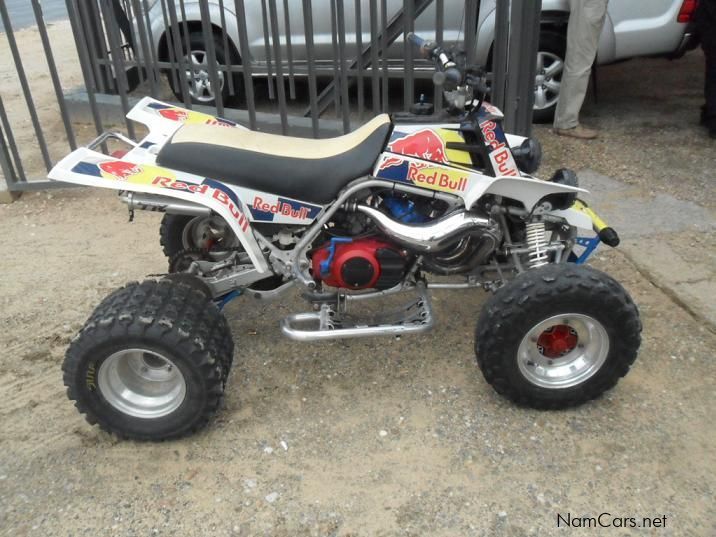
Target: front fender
{"x":526,"y":190}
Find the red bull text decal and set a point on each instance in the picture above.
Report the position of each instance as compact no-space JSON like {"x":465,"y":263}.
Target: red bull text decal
{"x":282,"y":208}
{"x":422,"y":174}
{"x":205,"y":190}
{"x":436,"y":178}
{"x":500,"y":155}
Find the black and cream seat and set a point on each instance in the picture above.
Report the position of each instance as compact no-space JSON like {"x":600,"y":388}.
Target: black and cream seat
{"x":301,"y":168}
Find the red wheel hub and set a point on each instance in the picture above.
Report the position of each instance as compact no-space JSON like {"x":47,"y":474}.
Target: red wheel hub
{"x":557,"y":341}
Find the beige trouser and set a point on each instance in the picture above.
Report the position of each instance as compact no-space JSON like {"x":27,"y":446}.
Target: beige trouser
{"x":586,"y":20}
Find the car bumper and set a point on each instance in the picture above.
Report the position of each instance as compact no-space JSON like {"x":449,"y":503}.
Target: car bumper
{"x":689,"y":42}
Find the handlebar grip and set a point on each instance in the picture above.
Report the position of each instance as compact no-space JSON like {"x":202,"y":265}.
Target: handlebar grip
{"x":453,"y":76}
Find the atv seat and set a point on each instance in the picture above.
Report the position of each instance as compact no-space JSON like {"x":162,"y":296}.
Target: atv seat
{"x":301,"y":168}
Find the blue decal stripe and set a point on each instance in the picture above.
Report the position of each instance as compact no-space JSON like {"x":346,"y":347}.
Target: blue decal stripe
{"x":225,"y":189}
{"x":158,"y":106}
{"x":86,"y":168}
{"x":264,"y":216}
{"x":399,"y":172}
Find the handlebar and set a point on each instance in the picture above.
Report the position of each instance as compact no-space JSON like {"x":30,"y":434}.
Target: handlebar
{"x":450,"y":75}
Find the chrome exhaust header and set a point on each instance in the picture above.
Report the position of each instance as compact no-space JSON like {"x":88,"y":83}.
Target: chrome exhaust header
{"x":433,"y":236}
{"x":150,"y":202}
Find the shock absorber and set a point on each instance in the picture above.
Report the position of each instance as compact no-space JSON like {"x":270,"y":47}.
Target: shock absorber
{"x":536,"y":245}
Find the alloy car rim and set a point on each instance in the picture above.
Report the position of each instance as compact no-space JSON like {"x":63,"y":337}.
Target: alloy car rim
{"x":548,"y":80}
{"x":207,"y":232}
{"x":563,"y":351}
{"x":141,"y":383}
{"x":199,"y":77}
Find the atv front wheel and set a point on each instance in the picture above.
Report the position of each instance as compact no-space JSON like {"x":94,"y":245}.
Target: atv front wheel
{"x":151,"y":361}
{"x":557,"y":336}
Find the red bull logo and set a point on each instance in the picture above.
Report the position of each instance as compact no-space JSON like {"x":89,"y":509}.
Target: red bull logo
{"x":424,"y":144}
{"x":174,"y":114}
{"x":119,"y":169}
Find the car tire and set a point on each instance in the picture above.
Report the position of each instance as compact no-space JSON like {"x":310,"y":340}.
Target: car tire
{"x":552,"y":48}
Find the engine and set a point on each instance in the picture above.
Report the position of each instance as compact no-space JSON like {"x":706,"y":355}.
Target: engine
{"x":364,"y":263}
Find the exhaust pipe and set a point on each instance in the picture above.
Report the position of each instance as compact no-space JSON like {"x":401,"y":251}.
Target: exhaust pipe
{"x":149,"y":202}
{"x":433,"y":236}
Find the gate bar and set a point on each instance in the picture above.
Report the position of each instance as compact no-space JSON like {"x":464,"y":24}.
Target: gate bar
{"x":390,"y":32}
{"x":85,"y":62}
{"x":246,"y":61}
{"x":25,"y":86}
{"x":20,"y":171}
{"x":312,"y":89}
{"x":53,"y":73}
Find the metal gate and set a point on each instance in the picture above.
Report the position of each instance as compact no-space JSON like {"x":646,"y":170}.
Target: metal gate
{"x":304,"y":67}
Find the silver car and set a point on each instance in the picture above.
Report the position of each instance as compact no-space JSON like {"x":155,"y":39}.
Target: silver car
{"x":657,"y":27}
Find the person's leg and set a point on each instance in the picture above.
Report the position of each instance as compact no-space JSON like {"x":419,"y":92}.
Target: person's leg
{"x":586,"y":20}
{"x":709,"y":115}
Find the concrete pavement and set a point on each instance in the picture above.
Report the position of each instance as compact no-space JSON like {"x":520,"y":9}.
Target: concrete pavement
{"x":669,"y":240}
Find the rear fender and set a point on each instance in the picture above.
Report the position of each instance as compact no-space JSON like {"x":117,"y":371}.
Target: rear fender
{"x":163,"y":120}
{"x":89,"y":168}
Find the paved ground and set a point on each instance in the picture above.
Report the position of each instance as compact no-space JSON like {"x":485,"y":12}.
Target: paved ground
{"x":671,"y":241}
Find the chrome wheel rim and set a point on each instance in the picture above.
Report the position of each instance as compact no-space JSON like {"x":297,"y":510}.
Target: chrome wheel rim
{"x":141,"y":383}
{"x":563,"y":351}
{"x":548,"y":80}
{"x":207,"y":232}
{"x":199,"y":77}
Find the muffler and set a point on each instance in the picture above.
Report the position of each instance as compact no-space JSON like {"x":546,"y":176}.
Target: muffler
{"x":150,"y":202}
{"x":433,"y":236}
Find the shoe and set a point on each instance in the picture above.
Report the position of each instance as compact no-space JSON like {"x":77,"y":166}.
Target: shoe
{"x":579,"y":132}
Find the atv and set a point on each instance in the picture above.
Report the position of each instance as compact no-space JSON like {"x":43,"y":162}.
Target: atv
{"x":381,"y":211}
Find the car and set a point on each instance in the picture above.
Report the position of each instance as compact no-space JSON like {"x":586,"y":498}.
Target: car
{"x":654,"y":28}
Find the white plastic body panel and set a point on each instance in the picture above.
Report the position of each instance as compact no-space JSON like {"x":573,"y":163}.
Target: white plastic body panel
{"x":137,"y":172}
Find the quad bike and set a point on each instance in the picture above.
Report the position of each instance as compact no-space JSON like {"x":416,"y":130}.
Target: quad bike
{"x":376,"y":212}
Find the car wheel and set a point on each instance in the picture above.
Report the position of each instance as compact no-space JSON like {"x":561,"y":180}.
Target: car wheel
{"x":198,"y":73}
{"x":550,"y":68}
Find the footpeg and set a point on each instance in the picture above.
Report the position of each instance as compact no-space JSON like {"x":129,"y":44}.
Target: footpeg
{"x":415,"y":317}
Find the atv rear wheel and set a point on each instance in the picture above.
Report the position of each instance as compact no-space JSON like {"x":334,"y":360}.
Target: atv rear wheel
{"x":557,"y":336}
{"x":151,"y":361}
{"x":179,"y":232}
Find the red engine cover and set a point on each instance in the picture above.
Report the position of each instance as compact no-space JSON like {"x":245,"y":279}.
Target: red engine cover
{"x":354,"y":264}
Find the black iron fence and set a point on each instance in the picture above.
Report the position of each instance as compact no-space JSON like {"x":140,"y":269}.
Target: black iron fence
{"x":308,"y":67}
